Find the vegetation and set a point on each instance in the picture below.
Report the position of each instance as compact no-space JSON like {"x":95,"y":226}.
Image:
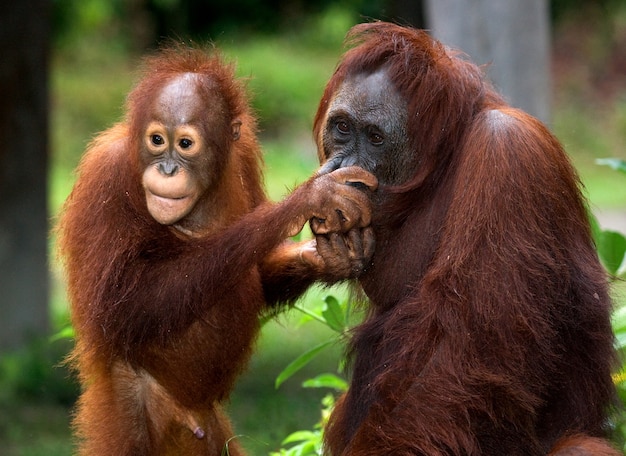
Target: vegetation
{"x":286,"y":71}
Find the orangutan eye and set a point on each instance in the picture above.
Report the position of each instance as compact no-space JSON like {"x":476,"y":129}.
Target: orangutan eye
{"x":185,"y":143}
{"x":157,"y":140}
{"x":376,"y":139}
{"x":343,"y":127}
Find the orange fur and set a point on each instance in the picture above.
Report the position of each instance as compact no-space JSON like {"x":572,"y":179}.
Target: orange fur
{"x":166,"y":321}
{"x":489,"y":327}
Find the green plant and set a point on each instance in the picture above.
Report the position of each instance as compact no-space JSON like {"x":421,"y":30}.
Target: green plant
{"x":335,"y":316}
{"x":611,"y":247}
{"x":611,"y":244}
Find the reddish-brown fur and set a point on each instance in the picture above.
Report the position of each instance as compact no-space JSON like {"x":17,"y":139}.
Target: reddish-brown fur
{"x":165,"y":321}
{"x":489,"y":326}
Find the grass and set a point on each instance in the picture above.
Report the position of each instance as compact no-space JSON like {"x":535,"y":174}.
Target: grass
{"x":286,"y":76}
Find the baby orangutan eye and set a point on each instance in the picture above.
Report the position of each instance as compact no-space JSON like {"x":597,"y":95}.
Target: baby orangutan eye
{"x":157,"y":140}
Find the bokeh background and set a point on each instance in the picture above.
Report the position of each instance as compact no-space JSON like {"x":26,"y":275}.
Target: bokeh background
{"x":67,"y":65}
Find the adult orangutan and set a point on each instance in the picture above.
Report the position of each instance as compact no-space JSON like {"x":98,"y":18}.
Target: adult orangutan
{"x":172,"y":251}
{"x":488,"y":330}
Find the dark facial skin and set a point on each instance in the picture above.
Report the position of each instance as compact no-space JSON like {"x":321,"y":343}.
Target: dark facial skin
{"x":365,"y":125}
{"x":179,"y":161}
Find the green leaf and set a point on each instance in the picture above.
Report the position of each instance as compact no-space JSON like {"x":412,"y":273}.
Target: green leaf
{"x":300,"y":436}
{"x":307,"y":449}
{"x":326,"y":381}
{"x":300,"y":362}
{"x":620,"y":341}
{"x":65,"y":333}
{"x":614,"y":163}
{"x":596,"y":230}
{"x":619,"y":319}
{"x":611,"y":249}
{"x":333,"y":314}
{"x":310,"y":442}
{"x":310,"y":315}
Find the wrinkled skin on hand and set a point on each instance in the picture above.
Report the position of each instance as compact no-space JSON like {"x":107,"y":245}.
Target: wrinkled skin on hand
{"x":336,"y":201}
{"x":344,"y":242}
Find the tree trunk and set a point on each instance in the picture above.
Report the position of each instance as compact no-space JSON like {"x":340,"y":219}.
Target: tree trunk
{"x":24,"y":47}
{"x":510,"y":36}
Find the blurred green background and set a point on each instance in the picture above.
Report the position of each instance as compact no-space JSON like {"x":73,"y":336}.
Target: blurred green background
{"x":286,"y":51}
